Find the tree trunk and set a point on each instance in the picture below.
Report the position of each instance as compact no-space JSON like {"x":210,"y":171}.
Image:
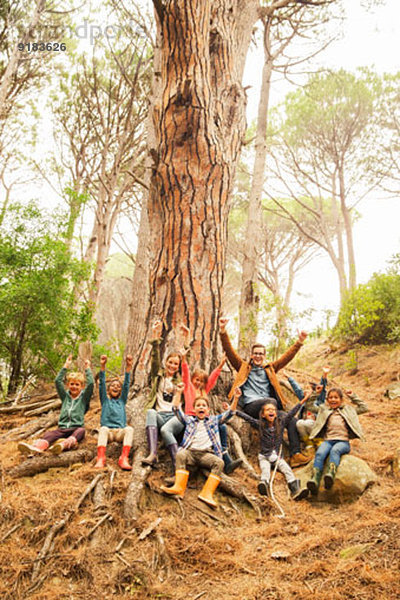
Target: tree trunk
{"x":16,"y":55}
{"x":249,"y":299}
{"x":351,"y":259}
{"x":200,"y":124}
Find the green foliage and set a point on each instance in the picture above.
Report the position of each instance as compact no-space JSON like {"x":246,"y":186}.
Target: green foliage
{"x":371,"y":313}
{"x":39,"y":321}
{"x":119,"y":265}
{"x":114,"y":350}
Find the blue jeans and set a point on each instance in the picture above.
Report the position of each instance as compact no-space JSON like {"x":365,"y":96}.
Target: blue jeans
{"x":168,"y":424}
{"x":335,"y":449}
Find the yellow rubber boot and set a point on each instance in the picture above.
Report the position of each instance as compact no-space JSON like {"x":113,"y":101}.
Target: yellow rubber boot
{"x":206,"y":494}
{"x":179,"y":487}
{"x":317,"y":441}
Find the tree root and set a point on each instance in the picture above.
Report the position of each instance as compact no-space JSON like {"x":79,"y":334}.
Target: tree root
{"x":135,"y":488}
{"x":49,"y":540}
{"x":240,"y":454}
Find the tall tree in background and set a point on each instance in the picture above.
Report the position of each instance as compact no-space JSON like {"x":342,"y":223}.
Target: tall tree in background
{"x":104,"y":125}
{"x":282,"y":24}
{"x":323,"y":143}
{"x":20,"y":70}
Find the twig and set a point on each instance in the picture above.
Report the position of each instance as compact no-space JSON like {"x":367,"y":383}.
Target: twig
{"x":199,"y":595}
{"x":122,"y":542}
{"x":150,"y":528}
{"x":125,"y":562}
{"x":246,"y":570}
{"x":11,"y":531}
{"x":88,"y":490}
{"x":209,"y":514}
{"x":105,"y":517}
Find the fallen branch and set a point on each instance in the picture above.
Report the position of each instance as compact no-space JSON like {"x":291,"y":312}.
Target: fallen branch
{"x":38,"y":404}
{"x":29,"y":429}
{"x":43,"y":408}
{"x":40,"y":464}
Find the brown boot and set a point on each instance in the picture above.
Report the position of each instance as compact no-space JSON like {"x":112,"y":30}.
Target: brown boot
{"x":206,"y":494}
{"x":297,"y":460}
{"x":179,"y":487}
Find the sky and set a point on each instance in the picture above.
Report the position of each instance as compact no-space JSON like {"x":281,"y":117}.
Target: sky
{"x":369,"y":38}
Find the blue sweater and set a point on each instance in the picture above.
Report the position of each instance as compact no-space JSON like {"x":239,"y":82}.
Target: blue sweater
{"x":113,"y":413}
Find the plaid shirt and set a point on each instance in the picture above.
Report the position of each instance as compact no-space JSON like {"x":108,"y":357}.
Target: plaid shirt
{"x":211,"y":424}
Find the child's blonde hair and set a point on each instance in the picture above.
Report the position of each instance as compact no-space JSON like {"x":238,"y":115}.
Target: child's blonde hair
{"x":76,"y":376}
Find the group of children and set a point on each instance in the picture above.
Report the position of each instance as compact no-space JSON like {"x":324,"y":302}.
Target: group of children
{"x":322,"y":419}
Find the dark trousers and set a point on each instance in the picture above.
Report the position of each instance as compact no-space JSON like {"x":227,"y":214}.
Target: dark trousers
{"x":57,"y":434}
{"x":253,"y":410}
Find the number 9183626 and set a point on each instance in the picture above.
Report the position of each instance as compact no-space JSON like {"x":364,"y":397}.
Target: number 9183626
{"x":42,"y":47}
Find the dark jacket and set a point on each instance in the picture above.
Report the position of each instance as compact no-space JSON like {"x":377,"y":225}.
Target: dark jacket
{"x":269,"y":440}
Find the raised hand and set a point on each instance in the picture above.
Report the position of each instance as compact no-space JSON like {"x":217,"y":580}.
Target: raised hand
{"x":128,"y":362}
{"x":103,"y":362}
{"x":68,"y":362}
{"x":222,"y":324}
{"x":302,"y":336}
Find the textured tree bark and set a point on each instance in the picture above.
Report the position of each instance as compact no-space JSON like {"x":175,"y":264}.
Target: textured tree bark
{"x":200,"y":124}
{"x":40,"y":464}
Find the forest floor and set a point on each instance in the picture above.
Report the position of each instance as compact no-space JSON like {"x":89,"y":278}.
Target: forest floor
{"x":184,"y":550}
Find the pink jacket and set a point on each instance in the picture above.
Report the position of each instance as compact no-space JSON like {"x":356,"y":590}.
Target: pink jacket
{"x":190,"y":391}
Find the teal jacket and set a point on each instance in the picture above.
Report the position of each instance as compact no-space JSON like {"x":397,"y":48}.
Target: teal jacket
{"x":113,"y":413}
{"x":349,"y":414}
{"x":73,"y":409}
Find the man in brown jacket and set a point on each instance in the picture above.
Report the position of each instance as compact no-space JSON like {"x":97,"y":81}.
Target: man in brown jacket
{"x":258,"y":383}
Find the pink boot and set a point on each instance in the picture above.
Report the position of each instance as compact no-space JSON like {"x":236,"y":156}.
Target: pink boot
{"x":64,"y":444}
{"x":38,"y":447}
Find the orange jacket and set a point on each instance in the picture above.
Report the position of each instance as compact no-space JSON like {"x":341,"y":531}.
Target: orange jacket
{"x":243,"y":367}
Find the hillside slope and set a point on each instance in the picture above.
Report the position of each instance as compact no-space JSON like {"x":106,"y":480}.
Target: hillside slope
{"x":192,"y":552}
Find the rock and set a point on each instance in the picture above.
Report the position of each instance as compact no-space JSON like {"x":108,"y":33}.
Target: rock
{"x":396,"y":464}
{"x":393,"y":391}
{"x":352,"y":478}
